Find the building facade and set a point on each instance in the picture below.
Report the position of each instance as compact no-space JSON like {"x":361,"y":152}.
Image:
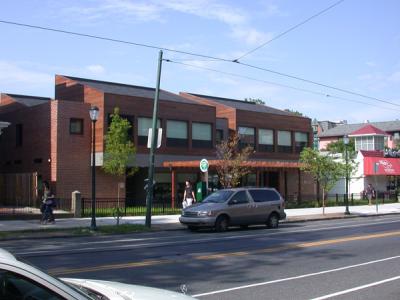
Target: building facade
{"x":50,"y":139}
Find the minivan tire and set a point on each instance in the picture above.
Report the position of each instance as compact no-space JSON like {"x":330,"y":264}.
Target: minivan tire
{"x":221,"y":224}
{"x":273,"y":221}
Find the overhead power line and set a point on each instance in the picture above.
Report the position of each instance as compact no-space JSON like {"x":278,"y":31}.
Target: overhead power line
{"x":290,"y":29}
{"x":277,"y":84}
{"x":98,"y":37}
{"x":196,"y":55}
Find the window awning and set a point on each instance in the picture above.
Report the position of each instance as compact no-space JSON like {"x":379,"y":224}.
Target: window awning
{"x":387,"y":166}
{"x":251,"y":164}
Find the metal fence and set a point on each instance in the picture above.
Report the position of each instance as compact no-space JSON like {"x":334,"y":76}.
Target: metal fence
{"x":127,"y":207}
{"x":63,"y":206}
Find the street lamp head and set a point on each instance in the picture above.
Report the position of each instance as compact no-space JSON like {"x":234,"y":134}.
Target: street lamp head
{"x":94,"y":113}
{"x":346,"y":140}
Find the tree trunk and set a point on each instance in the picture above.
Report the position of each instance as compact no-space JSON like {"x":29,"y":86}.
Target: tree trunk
{"x":323,"y":201}
{"x":318,"y":193}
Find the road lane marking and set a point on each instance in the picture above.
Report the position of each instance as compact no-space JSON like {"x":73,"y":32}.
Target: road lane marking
{"x":361,"y":287}
{"x":291,"y":246}
{"x":297,"y":277}
{"x":200,"y":240}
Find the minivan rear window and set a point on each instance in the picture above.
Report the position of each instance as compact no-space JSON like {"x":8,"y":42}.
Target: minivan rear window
{"x":264,"y":195}
{"x":218,"y":197}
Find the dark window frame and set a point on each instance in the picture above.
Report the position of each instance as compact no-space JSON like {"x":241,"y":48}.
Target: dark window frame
{"x":266,"y":147}
{"x":142,"y":139}
{"x":71,"y":121}
{"x":177,"y":142}
{"x":203,"y":143}
{"x":243,"y":144}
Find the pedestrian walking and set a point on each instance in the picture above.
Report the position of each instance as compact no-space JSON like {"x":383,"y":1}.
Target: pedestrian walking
{"x":48,"y":205}
{"x":370,"y":193}
{"x":188,"y":195}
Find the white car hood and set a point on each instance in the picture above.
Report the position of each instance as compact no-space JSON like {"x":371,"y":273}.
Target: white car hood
{"x":121,"y":291}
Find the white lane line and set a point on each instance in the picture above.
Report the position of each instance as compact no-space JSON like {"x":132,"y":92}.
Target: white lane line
{"x":296,"y":277}
{"x":200,"y":240}
{"x":361,"y":287}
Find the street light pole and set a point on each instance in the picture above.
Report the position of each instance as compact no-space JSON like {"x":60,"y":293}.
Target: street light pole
{"x":346,"y":142}
{"x":94,"y":113}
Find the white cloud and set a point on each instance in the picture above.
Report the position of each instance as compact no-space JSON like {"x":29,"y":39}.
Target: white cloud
{"x":395,"y":77}
{"x":371,"y":64}
{"x":96,"y":69}
{"x":12,"y":73}
{"x":251,"y":36}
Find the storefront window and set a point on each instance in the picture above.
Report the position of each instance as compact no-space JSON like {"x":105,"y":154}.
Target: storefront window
{"x":177,"y":133}
{"x":266,"y":140}
{"x":284,"y":141}
{"x":301,"y":141}
{"x":201,"y":135}
{"x":247,"y":137}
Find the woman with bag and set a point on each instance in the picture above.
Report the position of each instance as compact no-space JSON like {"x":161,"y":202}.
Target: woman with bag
{"x":188,"y":195}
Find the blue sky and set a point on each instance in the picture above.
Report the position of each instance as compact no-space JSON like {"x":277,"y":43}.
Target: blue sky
{"x":353,"y":46}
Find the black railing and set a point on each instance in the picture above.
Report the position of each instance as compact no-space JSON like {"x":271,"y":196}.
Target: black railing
{"x":106,"y":207}
{"x":63,"y":205}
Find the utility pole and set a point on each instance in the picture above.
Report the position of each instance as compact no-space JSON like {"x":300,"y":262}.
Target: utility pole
{"x":150,"y":183}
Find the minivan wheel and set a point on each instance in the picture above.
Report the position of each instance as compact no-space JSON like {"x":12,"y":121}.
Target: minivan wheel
{"x":273,"y":221}
{"x":221,"y":224}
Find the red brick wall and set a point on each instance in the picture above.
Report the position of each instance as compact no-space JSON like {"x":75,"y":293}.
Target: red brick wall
{"x":35,"y":141}
{"x":73,"y":155}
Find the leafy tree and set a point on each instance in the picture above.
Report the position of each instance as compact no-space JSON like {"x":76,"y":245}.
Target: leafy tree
{"x":325,"y":171}
{"x":255,"y":100}
{"x":295,"y":112}
{"x":231,"y":161}
{"x":339,"y":147}
{"x":119,"y":150}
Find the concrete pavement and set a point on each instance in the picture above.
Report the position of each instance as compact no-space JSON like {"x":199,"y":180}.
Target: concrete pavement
{"x":172,"y":221}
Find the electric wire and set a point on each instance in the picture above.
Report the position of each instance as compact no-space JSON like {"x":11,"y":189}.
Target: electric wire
{"x":277,"y":84}
{"x":196,"y":55}
{"x":290,"y":29}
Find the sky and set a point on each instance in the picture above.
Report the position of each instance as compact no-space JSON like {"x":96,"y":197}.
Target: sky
{"x":354,"y":46}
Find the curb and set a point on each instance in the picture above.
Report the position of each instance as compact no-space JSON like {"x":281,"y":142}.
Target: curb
{"x":175,"y":227}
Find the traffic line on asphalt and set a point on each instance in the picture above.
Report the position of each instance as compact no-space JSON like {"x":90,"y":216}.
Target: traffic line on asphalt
{"x":196,"y":240}
{"x":292,"y":246}
{"x":304,"y":276}
{"x":361,"y":287}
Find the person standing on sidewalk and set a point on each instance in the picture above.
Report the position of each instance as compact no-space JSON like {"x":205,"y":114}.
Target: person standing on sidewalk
{"x":370,"y":193}
{"x":188,"y":195}
{"x":47,"y":205}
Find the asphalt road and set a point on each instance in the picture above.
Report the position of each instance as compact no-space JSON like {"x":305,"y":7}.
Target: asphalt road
{"x":341,"y":259}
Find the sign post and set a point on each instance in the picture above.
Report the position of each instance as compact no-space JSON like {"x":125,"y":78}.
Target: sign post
{"x":204,"y":168}
{"x":376,"y":170}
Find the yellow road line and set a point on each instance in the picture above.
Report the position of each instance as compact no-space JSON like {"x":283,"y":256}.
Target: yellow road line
{"x":292,"y":246}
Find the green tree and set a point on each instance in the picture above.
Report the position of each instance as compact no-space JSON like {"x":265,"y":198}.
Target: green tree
{"x":325,"y":171}
{"x":231,"y":166}
{"x":255,"y":100}
{"x":295,"y":112}
{"x":339,"y":147}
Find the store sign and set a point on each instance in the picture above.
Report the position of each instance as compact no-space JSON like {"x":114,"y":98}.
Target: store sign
{"x":204,"y":165}
{"x":387,"y":166}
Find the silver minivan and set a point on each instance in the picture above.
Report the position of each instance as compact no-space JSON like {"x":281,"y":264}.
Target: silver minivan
{"x":236,"y":207}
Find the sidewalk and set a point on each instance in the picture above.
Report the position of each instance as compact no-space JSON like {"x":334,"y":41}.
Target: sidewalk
{"x":172,"y":221}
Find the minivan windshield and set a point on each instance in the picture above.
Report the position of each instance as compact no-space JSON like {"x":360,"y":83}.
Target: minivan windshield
{"x":218,"y":197}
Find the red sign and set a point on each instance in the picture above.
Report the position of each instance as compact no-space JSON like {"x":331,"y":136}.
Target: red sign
{"x":387,"y":166}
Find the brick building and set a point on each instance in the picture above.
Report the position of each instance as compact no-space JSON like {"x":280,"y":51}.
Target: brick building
{"x":50,"y":139}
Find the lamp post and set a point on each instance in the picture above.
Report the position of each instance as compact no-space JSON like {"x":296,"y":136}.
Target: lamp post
{"x":94,"y":114}
{"x":346,"y":142}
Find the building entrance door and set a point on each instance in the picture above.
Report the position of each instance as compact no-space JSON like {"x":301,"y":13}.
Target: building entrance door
{"x":271,"y":179}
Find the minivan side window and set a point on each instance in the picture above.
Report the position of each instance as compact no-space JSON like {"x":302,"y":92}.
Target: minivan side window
{"x":264,"y":195}
{"x":240,"y":197}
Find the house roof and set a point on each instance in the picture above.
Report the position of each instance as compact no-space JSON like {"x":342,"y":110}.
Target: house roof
{"x":130,"y":90}
{"x":341,"y":130}
{"x":28,"y":100}
{"x":368,"y":130}
{"x":244,"y":105}
{"x":375,"y":153}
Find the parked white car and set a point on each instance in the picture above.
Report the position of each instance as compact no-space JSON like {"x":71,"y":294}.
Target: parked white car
{"x":19,"y":280}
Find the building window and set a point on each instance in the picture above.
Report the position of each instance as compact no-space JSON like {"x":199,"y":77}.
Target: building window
{"x":75,"y":126}
{"x":219,"y":136}
{"x":143,"y":129}
{"x":301,"y":141}
{"x":364,"y":143}
{"x":247,"y":137}
{"x":266,"y":140}
{"x":177,"y":133}
{"x":379,"y":142}
{"x":284,"y":141}
{"x":18,"y":135}
{"x":201,"y":135}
